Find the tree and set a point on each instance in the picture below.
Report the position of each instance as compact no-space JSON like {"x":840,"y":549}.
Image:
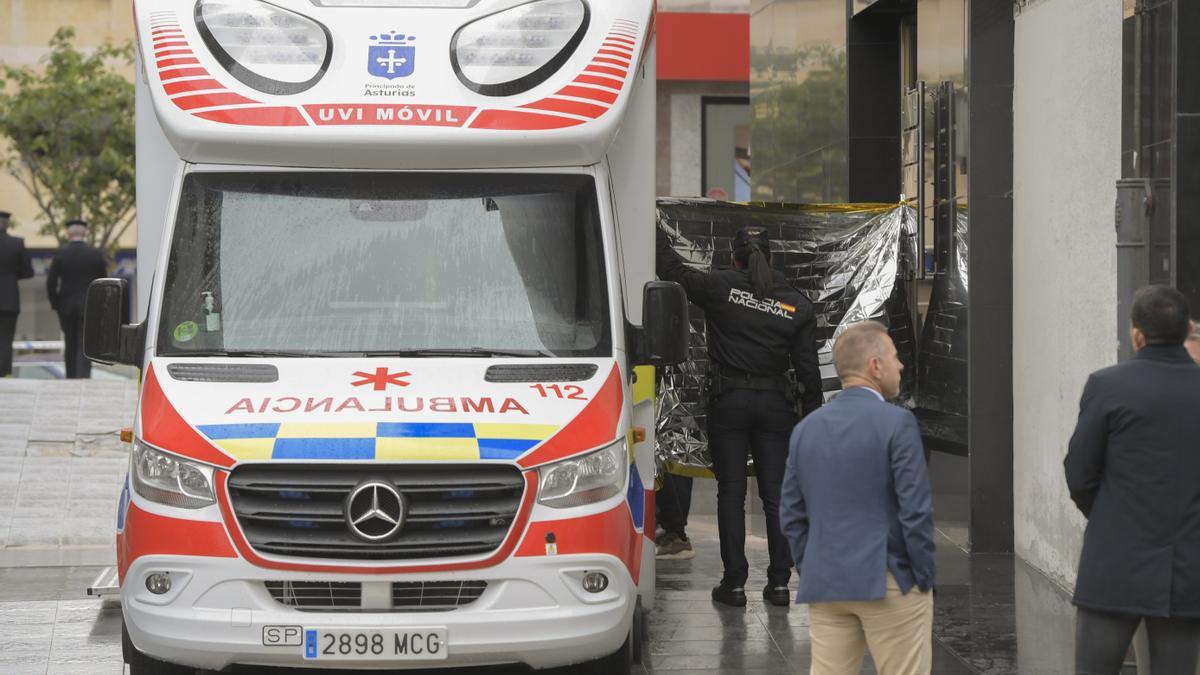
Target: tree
{"x":71,"y":135}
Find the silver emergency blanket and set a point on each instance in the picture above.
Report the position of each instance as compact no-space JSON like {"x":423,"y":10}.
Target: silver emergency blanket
{"x":851,"y":260}
{"x":941,"y":401}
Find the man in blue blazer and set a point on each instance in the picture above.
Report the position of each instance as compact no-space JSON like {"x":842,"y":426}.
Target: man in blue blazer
{"x":857,"y":511}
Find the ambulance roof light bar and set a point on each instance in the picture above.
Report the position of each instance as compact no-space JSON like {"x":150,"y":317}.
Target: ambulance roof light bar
{"x":514,"y":50}
{"x":275,"y":50}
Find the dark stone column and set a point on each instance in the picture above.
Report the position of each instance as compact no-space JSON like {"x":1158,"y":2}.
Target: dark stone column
{"x":990,"y":431}
{"x":1187,"y":152}
{"x":873,"y":65}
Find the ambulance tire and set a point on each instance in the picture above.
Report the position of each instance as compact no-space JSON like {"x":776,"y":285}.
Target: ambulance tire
{"x":619,"y":662}
{"x":140,"y":664}
{"x":641,"y":633}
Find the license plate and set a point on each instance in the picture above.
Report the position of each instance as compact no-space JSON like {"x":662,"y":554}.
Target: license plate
{"x":368,"y":644}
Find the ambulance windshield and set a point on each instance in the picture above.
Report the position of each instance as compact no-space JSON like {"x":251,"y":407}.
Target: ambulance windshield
{"x":352,"y":264}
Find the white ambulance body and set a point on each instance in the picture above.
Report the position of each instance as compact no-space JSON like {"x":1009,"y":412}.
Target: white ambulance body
{"x":397,"y":390}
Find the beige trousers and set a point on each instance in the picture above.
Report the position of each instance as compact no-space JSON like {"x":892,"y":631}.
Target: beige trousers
{"x":898,"y":629}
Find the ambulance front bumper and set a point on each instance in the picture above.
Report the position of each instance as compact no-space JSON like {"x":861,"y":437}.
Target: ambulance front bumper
{"x":535,"y":611}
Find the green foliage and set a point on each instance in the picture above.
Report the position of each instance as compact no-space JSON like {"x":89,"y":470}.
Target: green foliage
{"x":800,"y":124}
{"x":71,"y":131}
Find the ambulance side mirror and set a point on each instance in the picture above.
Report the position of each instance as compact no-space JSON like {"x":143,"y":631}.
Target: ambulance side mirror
{"x":106,"y":336}
{"x":663,"y":338}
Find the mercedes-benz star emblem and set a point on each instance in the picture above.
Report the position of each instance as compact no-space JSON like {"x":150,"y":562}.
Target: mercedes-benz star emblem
{"x":375,"y":510}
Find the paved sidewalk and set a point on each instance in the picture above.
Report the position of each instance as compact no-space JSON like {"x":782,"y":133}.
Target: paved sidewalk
{"x":61,"y":467}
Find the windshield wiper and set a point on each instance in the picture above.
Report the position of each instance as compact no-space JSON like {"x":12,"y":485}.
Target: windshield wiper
{"x":259,"y":353}
{"x":474,"y":352}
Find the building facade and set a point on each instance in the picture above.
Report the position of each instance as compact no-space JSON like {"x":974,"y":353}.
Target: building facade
{"x":1014,"y":127}
{"x":910,"y":100}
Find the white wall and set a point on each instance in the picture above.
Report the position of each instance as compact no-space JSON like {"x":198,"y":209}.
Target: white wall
{"x":1067,"y":131}
{"x":687,"y":143}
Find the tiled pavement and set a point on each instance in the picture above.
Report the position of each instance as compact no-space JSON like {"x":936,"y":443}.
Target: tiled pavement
{"x":993,"y":614}
{"x":61,"y":462}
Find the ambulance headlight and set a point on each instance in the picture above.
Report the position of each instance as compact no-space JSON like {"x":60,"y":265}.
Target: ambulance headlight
{"x":272,"y":49}
{"x":591,"y":478}
{"x":171,"y":480}
{"x":515,"y":50}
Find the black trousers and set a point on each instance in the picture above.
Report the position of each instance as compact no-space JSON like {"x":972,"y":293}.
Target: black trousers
{"x":1101,"y":640}
{"x":744,"y":422}
{"x":674,"y":501}
{"x":77,"y":365}
{"x":8,"y":332}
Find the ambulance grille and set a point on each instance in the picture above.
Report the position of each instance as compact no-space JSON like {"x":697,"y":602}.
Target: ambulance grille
{"x":406,"y":596}
{"x":297,"y":510}
{"x":435,"y":596}
{"x":316,"y":595}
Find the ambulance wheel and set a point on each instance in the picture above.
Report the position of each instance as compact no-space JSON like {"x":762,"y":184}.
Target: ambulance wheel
{"x":140,"y":664}
{"x":619,"y":662}
{"x":641,"y":633}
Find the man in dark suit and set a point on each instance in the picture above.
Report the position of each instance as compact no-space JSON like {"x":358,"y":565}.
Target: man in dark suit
{"x":1133,"y":469}
{"x":14,"y":265}
{"x":857,"y":511}
{"x":74,"y":267}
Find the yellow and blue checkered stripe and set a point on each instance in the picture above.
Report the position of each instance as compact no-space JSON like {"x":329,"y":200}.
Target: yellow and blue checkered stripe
{"x":377,"y":440}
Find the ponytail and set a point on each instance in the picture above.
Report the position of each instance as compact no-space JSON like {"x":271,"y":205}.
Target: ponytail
{"x":761,"y":273}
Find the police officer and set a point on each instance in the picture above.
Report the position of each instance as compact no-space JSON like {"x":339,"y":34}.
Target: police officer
{"x":14,"y":266}
{"x":75,"y":266}
{"x":759,"y":327}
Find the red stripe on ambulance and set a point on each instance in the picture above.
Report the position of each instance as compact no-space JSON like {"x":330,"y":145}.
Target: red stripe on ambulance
{"x":600,"y":81}
{"x":151,"y":534}
{"x":517,"y":120}
{"x":587,"y":92}
{"x":163,"y":427}
{"x":181,"y":86}
{"x":595,"y":425}
{"x":609,"y":533}
{"x":569,"y":107}
{"x":606,"y":70}
{"x":211,"y":100}
{"x":611,"y":61}
{"x":167,"y":63}
{"x":182,"y":73}
{"x":267,"y":116}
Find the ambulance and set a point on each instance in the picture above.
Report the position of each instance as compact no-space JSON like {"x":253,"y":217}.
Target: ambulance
{"x":396,"y":325}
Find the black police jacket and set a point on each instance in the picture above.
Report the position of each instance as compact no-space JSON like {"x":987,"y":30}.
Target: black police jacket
{"x":1133,"y":469}
{"x":14,"y":266}
{"x":749,"y":335}
{"x":74,"y":267}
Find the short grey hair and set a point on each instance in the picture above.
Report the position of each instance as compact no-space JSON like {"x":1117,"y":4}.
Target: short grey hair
{"x":857,"y":345}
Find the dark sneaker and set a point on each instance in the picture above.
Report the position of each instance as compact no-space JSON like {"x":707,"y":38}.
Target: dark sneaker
{"x":779,"y":596}
{"x":673,"y":546}
{"x":734,"y":597}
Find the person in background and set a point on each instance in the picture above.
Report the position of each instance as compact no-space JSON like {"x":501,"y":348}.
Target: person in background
{"x":76,"y":265}
{"x":759,"y":327}
{"x":14,"y":266}
{"x":674,"y":502}
{"x":857,"y":511}
{"x":1133,"y":469}
{"x":1193,"y":342}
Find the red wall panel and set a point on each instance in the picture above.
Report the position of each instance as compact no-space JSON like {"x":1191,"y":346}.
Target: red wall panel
{"x":705,"y":47}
